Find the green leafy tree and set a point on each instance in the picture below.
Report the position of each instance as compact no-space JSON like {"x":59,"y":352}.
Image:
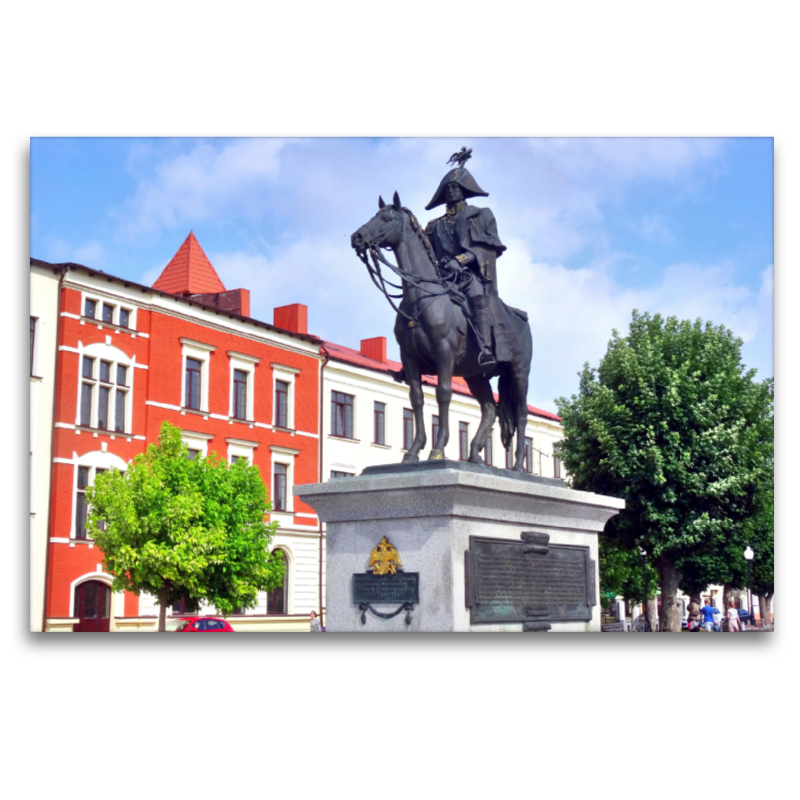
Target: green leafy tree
{"x":672,"y":422}
{"x":621,"y":573}
{"x":185,"y":529}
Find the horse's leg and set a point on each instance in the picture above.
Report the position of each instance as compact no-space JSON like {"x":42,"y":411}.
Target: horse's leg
{"x":414,"y":378}
{"x":444,"y":393}
{"x":520,"y":383}
{"x":482,"y":391}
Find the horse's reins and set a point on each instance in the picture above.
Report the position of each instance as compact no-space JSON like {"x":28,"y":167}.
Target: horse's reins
{"x":378,"y":279}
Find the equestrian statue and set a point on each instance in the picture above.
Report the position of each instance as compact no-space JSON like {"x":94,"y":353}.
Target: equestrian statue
{"x":451,"y":320}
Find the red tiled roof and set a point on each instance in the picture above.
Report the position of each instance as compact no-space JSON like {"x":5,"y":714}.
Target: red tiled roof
{"x":189,"y":272}
{"x":340,"y":353}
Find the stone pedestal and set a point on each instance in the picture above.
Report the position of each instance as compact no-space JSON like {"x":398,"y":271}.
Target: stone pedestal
{"x":429,"y":511}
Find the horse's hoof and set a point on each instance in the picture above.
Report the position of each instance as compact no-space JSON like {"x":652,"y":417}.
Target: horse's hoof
{"x":436,"y":455}
{"x":476,"y":460}
{"x":410,"y":457}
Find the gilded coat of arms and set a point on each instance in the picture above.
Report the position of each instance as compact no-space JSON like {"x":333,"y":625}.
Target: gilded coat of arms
{"x":385,"y":559}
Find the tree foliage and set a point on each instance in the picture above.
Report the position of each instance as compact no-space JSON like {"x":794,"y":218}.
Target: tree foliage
{"x":672,"y":422}
{"x":185,"y":529}
{"x":621,"y":572}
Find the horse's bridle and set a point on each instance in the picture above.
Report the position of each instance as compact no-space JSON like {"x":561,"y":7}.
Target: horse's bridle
{"x":444,"y":285}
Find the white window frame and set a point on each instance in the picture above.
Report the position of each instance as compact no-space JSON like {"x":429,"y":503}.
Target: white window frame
{"x":94,"y":460}
{"x":241,"y":448}
{"x":280,"y":372}
{"x":37,"y":335}
{"x":100,"y":351}
{"x":202,"y":353}
{"x":245,"y":363}
{"x":285,"y":456}
{"x":195,"y":440}
{"x":98,"y":320}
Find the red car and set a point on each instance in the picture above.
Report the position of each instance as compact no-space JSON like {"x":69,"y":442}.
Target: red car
{"x":198,"y":625}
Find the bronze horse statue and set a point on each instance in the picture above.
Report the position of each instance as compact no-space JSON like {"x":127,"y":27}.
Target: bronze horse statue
{"x":434,"y":337}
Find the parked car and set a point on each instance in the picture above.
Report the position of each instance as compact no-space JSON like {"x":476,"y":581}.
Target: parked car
{"x":198,"y":625}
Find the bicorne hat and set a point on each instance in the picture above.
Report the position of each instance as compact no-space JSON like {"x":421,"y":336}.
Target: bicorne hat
{"x":464,"y":179}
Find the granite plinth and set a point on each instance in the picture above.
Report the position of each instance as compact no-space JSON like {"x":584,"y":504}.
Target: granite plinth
{"x":428,"y":514}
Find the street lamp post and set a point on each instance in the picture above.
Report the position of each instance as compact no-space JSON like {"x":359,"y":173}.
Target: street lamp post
{"x":643,"y":554}
{"x":748,"y":556}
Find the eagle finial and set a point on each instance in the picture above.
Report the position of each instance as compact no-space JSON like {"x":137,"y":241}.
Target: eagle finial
{"x":461,"y":157}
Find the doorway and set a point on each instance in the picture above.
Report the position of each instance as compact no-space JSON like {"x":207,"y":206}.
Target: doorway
{"x":92,"y":607}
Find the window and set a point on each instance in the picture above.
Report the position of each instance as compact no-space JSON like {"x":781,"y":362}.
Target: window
{"x":102,"y":408}
{"x":236,"y":459}
{"x":280,"y":481}
{"x":276,"y":599}
{"x":100,"y":523}
{"x":119,"y":412}
{"x":89,"y":308}
{"x":108,"y":313}
{"x":195,"y":376}
{"x":408,"y":429}
{"x":528,"y":454}
{"x":463,"y":441}
{"x":556,"y":467}
{"x":181,"y":607}
{"x":509,"y":458}
{"x":488,"y":455}
{"x":434,"y":429}
{"x":124,"y":318}
{"x":86,"y":405}
{"x":342,"y":415}
{"x":80,"y":503}
{"x":33,"y":339}
{"x":335,"y":473}
{"x":379,"y":415}
{"x":110,"y":405}
{"x":192,"y":399}
{"x":192,"y":454}
{"x":281,"y":404}
{"x":239,"y":394}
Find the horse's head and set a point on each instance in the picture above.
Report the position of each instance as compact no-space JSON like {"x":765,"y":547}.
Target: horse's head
{"x":385,"y":229}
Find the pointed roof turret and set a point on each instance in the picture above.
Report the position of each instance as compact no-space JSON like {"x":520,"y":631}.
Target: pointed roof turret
{"x":189,"y":272}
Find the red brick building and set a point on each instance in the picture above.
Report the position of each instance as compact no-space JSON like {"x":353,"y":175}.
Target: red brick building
{"x":184,"y":350}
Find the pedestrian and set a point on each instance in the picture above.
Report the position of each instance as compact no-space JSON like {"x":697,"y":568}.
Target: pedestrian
{"x":733,"y":618}
{"x":315,"y":628}
{"x":708,"y":616}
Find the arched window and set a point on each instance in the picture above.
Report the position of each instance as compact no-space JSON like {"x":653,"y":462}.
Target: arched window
{"x":92,"y":607}
{"x":276,"y":599}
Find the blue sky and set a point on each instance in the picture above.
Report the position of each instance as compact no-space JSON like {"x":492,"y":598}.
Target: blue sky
{"x":594,"y":227}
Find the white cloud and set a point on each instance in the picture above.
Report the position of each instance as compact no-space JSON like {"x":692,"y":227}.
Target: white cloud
{"x":300,"y":199}
{"x":207,"y":181}
{"x":654,"y":228}
{"x":573,"y":312}
{"x":91,"y":254}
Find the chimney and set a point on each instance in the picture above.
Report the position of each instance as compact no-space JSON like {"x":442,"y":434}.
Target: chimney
{"x":292,"y":318}
{"x":235,"y":301}
{"x":374,"y":348}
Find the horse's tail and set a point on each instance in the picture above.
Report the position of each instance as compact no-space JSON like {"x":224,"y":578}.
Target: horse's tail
{"x":506,"y":406}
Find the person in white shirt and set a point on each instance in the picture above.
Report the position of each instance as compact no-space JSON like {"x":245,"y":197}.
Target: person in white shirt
{"x":733,"y":618}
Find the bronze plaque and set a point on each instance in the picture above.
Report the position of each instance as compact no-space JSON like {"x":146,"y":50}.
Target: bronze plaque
{"x":520,"y":581}
{"x":401,"y":587}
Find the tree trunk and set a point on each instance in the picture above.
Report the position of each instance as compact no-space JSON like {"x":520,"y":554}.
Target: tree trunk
{"x":727,"y":596}
{"x":670,"y":579}
{"x":765,"y":610}
{"x":162,"y":607}
{"x":652,"y":612}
